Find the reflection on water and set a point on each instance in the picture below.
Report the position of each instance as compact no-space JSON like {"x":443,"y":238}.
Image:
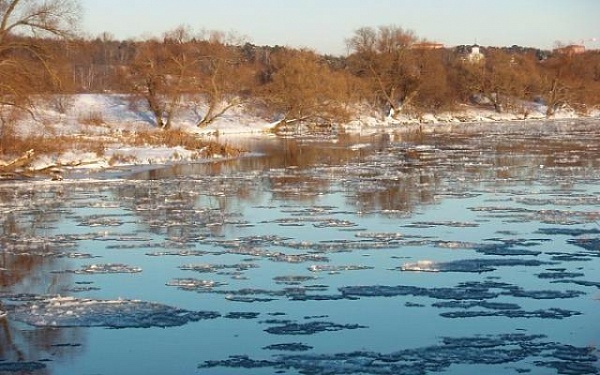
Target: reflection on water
{"x":381,"y":254}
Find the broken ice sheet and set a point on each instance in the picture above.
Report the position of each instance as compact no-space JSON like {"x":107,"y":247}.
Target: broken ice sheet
{"x":194,"y":284}
{"x":337,"y":269}
{"x":242,"y":315}
{"x":337,"y":246}
{"x":212,"y":268}
{"x":101,"y":221}
{"x":504,"y":248}
{"x":432,"y":224}
{"x":590,"y":244}
{"x":21,"y":367}
{"x":381,"y":236}
{"x":76,"y":255}
{"x":579,"y":282}
{"x":108,"y":268}
{"x":488,"y":350}
{"x":469,"y":265}
{"x":293,"y":279}
{"x":289,"y":347}
{"x":571,"y":200}
{"x":559,"y":275}
{"x":523,"y":215}
{"x":471,"y":290}
{"x":569,"y":231}
{"x":552,"y":313}
{"x":310,"y":328}
{"x":334,"y":223}
{"x":74,"y":312}
{"x":180,"y":253}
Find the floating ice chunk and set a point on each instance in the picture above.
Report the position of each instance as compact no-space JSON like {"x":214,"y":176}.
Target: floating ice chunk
{"x":195,"y":284}
{"x":336,"y":269}
{"x":292,"y":328}
{"x":74,"y":312}
{"x":591,"y":244}
{"x":242,"y":315}
{"x":292,"y":279}
{"x":430,"y":224}
{"x":21,"y":367}
{"x":210,"y":268}
{"x":421,"y":266}
{"x":334,"y":223}
{"x":101,"y":221}
{"x":290,"y":347}
{"x":487,"y":350}
{"x":180,"y":253}
{"x":107,"y":268}
{"x":381,"y":236}
{"x":247,"y":299}
{"x":552,"y":313}
{"x":469,"y":265}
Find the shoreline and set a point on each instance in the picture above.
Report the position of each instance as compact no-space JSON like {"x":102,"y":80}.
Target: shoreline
{"x":526,"y":126}
{"x":99,"y":168}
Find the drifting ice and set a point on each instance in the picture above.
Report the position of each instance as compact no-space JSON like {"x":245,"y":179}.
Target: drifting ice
{"x":74,"y":312}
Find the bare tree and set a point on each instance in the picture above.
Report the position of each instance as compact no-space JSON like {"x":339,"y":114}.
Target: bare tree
{"x":573,"y":80}
{"x":304,"y":88}
{"x":25,"y":60}
{"x":38,"y":18}
{"x":503,"y":78}
{"x":224,"y":75}
{"x":160,"y":75}
{"x":201,"y":69}
{"x":432,"y":87}
{"x":383,"y":57}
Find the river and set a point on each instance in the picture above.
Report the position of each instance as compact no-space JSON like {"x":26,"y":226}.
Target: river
{"x":375,"y":254}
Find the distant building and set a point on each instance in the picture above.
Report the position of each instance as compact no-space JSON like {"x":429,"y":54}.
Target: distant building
{"x":427,"y":46}
{"x":475,"y":56}
{"x":570,"y":50}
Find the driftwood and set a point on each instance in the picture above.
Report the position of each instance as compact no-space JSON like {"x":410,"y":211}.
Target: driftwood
{"x":19,"y":168}
{"x":20,"y":162}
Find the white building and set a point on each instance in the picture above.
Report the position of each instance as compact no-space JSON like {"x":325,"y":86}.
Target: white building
{"x":475,"y":56}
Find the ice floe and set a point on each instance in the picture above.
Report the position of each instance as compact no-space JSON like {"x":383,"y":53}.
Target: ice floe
{"x":106,"y":269}
{"x":75,"y":312}
{"x":491,"y":350}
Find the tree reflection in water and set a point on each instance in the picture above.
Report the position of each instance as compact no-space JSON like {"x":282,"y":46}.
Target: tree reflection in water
{"x":27,"y":257}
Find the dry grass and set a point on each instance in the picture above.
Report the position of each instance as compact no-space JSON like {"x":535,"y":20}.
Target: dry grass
{"x":12,"y":145}
{"x":117,"y":158}
{"x":46,"y":145}
{"x":178,"y":138}
{"x":94,"y":118}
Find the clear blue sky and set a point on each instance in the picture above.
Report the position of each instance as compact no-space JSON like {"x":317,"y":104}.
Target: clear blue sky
{"x":324,"y":25}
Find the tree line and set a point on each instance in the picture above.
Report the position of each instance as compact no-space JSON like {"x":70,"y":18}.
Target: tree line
{"x":388,"y":70}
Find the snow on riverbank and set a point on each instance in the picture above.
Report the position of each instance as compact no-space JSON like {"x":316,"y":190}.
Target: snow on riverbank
{"x":111,"y":117}
{"x":114,"y":114}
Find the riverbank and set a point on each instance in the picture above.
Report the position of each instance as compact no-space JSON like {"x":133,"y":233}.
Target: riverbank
{"x":103,"y":132}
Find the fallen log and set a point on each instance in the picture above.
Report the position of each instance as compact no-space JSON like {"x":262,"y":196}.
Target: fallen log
{"x":22,"y":168}
{"x":18,"y":168}
{"x":20,"y":162}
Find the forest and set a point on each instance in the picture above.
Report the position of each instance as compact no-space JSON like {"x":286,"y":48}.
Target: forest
{"x":388,"y":70}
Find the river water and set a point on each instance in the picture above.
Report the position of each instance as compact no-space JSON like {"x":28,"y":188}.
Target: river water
{"x":380,"y":254}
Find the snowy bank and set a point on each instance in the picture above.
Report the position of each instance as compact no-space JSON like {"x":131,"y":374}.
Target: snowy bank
{"x":112,"y":119}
